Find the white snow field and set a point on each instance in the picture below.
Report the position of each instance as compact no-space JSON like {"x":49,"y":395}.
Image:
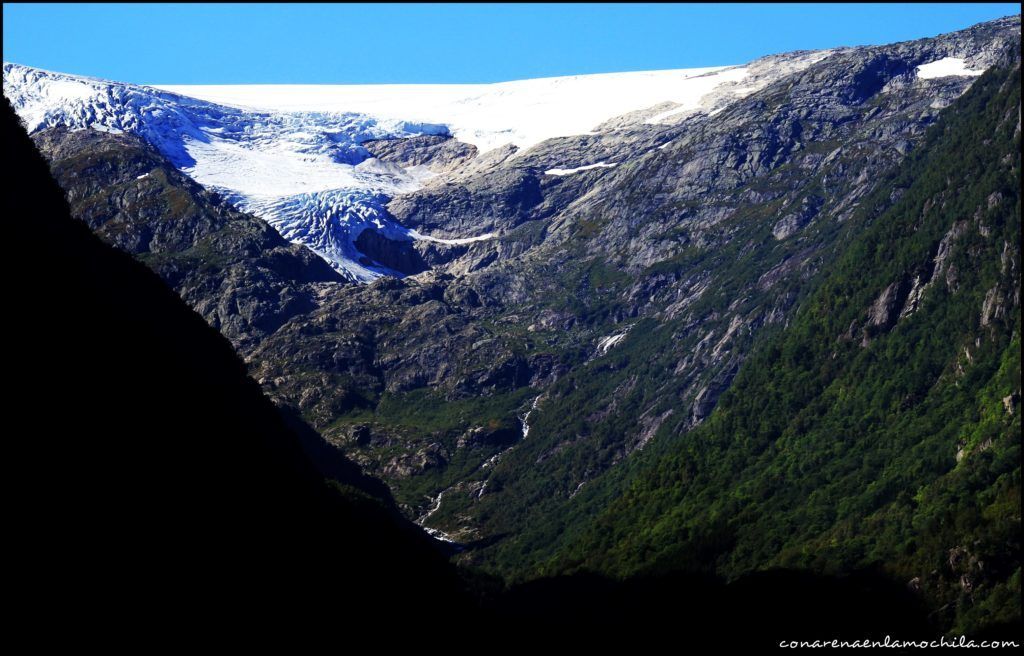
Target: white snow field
{"x":293,"y":154}
{"x":522,"y":113}
{"x":304,"y":172}
{"x":588,"y":167}
{"x":945,"y":67}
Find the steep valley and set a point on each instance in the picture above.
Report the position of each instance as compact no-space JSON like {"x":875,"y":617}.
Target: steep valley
{"x":711,"y":338}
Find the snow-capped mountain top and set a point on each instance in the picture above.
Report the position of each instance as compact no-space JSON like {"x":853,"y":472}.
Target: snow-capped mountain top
{"x":244,"y":151}
{"x":294,"y":155}
{"x":488,"y":116}
{"x":304,"y":172}
{"x":522,"y":112}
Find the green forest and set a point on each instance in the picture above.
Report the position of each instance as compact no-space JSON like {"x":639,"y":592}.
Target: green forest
{"x":847,"y":443}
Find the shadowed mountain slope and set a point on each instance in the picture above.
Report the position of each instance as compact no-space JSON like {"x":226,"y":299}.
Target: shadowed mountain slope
{"x":151,"y":467}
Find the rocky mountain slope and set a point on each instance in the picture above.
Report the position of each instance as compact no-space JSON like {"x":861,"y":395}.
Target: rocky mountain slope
{"x":306,"y":173}
{"x":883,"y":425}
{"x":235,"y":270}
{"x":624,"y":297}
{"x":574,"y":306}
{"x":167,"y":478}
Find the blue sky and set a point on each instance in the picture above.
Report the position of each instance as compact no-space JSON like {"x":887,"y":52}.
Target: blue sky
{"x":319,"y":43}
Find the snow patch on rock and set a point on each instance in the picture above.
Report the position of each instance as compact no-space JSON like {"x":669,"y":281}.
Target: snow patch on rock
{"x":609,"y":342}
{"x":946,"y":67}
{"x":588,"y":167}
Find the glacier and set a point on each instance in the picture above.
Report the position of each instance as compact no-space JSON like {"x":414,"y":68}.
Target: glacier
{"x":303,"y":172}
{"x":294,"y":155}
{"x":522,"y":112}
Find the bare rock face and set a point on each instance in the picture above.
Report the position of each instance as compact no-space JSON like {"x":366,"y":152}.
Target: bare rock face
{"x":399,"y":256}
{"x":883,"y":312}
{"x":404,"y":466}
{"x":794,"y":221}
{"x":498,"y":199}
{"x":438,"y":154}
{"x":994,"y":306}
